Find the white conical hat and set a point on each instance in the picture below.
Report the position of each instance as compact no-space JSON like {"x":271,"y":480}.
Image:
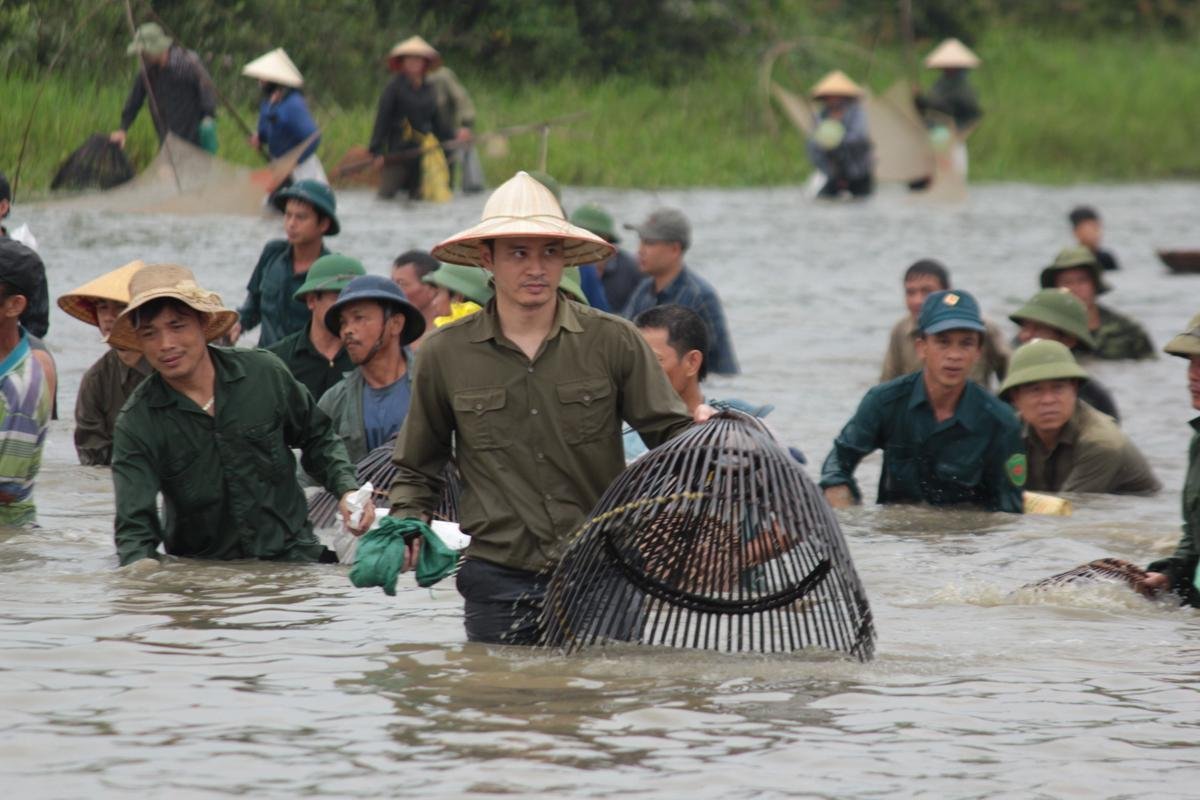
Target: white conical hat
{"x":952,"y":54}
{"x":522,"y":207}
{"x":416,"y":46}
{"x":275,"y":67}
{"x":837,"y":84}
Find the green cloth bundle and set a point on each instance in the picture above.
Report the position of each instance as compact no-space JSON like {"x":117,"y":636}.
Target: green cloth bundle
{"x":380,"y":555}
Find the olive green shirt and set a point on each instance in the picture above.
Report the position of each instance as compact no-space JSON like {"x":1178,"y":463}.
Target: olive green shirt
{"x":1181,"y":566}
{"x":536,"y":441}
{"x":309,"y":365}
{"x":1092,"y":454}
{"x":1120,"y":337}
{"x":228,"y":481}
{"x":104,"y":389}
{"x":901,"y":357}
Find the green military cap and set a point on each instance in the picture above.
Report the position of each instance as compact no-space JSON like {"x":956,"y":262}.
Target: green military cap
{"x":950,"y":310}
{"x":547,"y":180}
{"x":1186,"y":344}
{"x":1041,"y":360}
{"x":316,"y":194}
{"x":572,"y":285}
{"x":592,"y":217}
{"x":470,"y":282}
{"x":330,"y":273}
{"x":1072,"y":258}
{"x":1059,"y":309}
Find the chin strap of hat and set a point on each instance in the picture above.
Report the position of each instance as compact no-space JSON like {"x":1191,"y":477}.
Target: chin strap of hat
{"x":381,"y":342}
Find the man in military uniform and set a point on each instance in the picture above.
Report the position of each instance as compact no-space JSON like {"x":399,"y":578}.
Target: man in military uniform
{"x":1116,"y":335}
{"x":1060,"y":316}
{"x":1179,"y":572}
{"x":1071,"y":446}
{"x":945,"y":439}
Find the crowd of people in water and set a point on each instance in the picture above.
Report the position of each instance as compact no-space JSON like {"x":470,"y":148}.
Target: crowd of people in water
{"x":537,"y":357}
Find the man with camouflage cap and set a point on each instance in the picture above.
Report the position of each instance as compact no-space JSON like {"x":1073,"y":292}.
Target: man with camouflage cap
{"x":1117,"y":336}
{"x":945,"y":439}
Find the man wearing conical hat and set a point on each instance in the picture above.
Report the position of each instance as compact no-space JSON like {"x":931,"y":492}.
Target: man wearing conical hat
{"x":213,"y":430}
{"x":1116,"y":335}
{"x":284,"y":121}
{"x":951,"y":98}
{"x":840,"y":146}
{"x":183,"y":99}
{"x":528,"y":395}
{"x":110,"y":381}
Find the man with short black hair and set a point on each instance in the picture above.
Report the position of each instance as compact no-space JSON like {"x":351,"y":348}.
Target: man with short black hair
{"x":408,"y":272}
{"x":1088,"y":230}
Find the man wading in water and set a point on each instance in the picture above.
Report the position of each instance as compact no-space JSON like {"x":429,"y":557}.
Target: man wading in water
{"x":531,"y":391}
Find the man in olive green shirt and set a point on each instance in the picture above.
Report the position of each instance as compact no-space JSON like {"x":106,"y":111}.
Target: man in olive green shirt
{"x":533,"y":403}
{"x":1070,"y":446}
{"x":1117,"y":336}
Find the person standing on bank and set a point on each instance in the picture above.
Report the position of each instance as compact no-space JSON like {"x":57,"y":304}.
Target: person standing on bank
{"x":284,"y":121}
{"x":1117,"y":336}
{"x":840,"y":145}
{"x":309,"y":215}
{"x":376,"y":324}
{"x":532,"y":408}
{"x":945,"y":439}
{"x":212,"y":430}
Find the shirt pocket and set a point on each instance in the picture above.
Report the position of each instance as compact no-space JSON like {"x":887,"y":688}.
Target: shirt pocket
{"x":186,"y":485}
{"x":587,"y":412}
{"x":479,"y":415}
{"x":267,"y":455}
{"x":965,"y":473}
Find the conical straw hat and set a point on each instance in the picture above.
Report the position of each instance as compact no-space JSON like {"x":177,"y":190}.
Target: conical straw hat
{"x":113,"y":286}
{"x":178,"y":283}
{"x":275,"y":67}
{"x":837,"y":84}
{"x":952,"y":54}
{"x":416,"y":46}
{"x":522,"y":207}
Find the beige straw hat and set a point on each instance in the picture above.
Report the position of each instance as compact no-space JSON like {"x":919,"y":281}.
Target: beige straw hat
{"x":952,"y":54}
{"x":275,"y":67}
{"x":112,"y":286}
{"x":416,"y":46}
{"x":178,"y":283}
{"x":837,"y":84}
{"x":522,"y":207}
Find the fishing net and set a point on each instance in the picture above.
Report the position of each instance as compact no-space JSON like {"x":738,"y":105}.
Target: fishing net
{"x":1102,"y":570}
{"x":716,"y":540}
{"x":97,"y":164}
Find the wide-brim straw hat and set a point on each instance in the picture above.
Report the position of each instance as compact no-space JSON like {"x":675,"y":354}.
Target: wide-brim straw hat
{"x":836,"y":84}
{"x":275,"y":67}
{"x":111,"y":286}
{"x":1186,"y":344}
{"x":952,"y":54}
{"x":155,"y":281}
{"x":416,"y":46}
{"x":1041,"y":360}
{"x":523,"y":208}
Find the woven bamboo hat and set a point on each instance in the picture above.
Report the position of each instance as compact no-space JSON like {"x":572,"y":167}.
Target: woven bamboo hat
{"x":156,"y":281}
{"x":836,"y":84}
{"x":952,"y":54}
{"x":275,"y":67}
{"x":416,"y":46}
{"x":112,"y":286}
{"x":521,"y":208}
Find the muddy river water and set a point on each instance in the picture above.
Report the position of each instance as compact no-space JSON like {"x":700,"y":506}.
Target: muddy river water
{"x":266,"y":680}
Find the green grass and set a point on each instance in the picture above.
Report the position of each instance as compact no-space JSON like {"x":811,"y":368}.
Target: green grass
{"x":1057,"y":110}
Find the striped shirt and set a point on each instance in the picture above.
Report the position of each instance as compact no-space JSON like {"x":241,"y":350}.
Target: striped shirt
{"x":25,"y":405}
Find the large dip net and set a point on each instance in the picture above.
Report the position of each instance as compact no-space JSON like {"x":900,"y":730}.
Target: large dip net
{"x":716,"y":540}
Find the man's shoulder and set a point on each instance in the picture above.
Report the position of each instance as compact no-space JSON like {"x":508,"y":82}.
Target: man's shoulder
{"x":602,"y":321}
{"x":1099,"y":430}
{"x":698,"y":282}
{"x":138,"y":403}
{"x":1110,"y":317}
{"x":101,"y":367}
{"x":337,"y":394}
{"x":893,"y":391}
{"x":995,"y":409}
{"x":286,"y":347}
{"x":273,"y":249}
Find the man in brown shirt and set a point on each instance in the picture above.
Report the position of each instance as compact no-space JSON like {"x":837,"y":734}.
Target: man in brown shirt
{"x":531,"y":391}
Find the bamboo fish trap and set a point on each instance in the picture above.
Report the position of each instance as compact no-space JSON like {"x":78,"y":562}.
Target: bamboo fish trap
{"x":716,"y":540}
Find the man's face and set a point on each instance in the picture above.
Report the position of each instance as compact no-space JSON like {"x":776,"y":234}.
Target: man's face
{"x":527,"y":270}
{"x":418,"y":293}
{"x":657,"y":257}
{"x":413,"y":67}
{"x":675,"y":367}
{"x":318,"y":303}
{"x":441,"y":302}
{"x":173,"y":343}
{"x":301,"y":223}
{"x":363,"y":325}
{"x":916,"y":289}
{"x":1078,"y":281}
{"x":1046,"y":405}
{"x":1032,"y":329}
{"x":1194,"y":380}
{"x":949,"y":356}
{"x":1088,"y":233}
{"x":107,"y":312}
{"x":5,"y":207}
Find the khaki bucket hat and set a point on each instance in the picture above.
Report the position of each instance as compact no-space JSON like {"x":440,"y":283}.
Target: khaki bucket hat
{"x":156,"y":281}
{"x":111,"y":286}
{"x":1072,"y":258}
{"x":1186,"y":344}
{"x":275,"y":67}
{"x":149,"y":39}
{"x":952,"y":54}
{"x":836,"y":84}
{"x":416,"y":46}
{"x":1059,"y":309}
{"x":522,"y":208}
{"x":1041,"y":360}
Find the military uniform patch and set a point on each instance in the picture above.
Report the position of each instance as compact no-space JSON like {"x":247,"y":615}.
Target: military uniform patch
{"x":1017,"y":470}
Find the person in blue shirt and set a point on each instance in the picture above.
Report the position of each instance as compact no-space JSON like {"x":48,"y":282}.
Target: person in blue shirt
{"x":665,"y":237}
{"x":945,"y":439}
{"x":284,"y":121}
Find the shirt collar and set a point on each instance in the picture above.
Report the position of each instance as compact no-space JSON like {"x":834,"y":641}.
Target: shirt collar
{"x":487,"y":322}
{"x":970,"y":405}
{"x":677,"y":283}
{"x":227,"y":371}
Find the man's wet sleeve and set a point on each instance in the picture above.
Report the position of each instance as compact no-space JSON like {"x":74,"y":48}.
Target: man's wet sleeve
{"x":858,"y":438}
{"x":137,"y":528}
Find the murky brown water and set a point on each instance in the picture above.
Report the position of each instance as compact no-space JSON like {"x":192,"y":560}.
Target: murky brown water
{"x":208,"y":680}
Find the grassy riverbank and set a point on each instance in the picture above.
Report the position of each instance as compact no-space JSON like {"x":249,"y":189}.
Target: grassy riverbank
{"x":1056,"y":111}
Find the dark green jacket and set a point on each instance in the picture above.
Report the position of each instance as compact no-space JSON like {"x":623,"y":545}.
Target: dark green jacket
{"x":1181,"y":566}
{"x":269,"y":295}
{"x":975,"y":457}
{"x":1120,"y":337}
{"x":308,"y":366}
{"x":229,"y":481}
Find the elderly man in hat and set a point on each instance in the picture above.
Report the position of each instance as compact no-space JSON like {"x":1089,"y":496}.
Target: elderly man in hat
{"x":376,"y":323}
{"x":110,"y":381}
{"x":315,"y":355}
{"x":666,"y":235}
{"x":284,"y":121}
{"x":1117,"y":336}
{"x":531,"y":410}
{"x":945,"y":439}
{"x":619,"y":274}
{"x":213,"y":430}
{"x":27,"y":384}
{"x":309,"y":215}
{"x":1071,"y":446}
{"x":840,"y":144}
{"x":182,"y":98}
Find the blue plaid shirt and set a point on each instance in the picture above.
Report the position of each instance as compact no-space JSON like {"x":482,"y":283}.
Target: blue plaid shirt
{"x":691,"y":291}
